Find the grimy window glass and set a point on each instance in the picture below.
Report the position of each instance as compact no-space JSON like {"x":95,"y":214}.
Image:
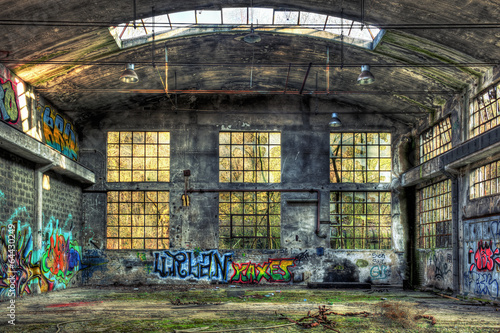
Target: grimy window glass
{"x":138,"y":220}
{"x":485,"y":180}
{"x":138,"y":157}
{"x":249,"y":220}
{"x":249,"y":157}
{"x":434,"y":215}
{"x":360,"y":220}
{"x":360,"y":157}
{"x":436,"y":140}
{"x":484,"y":111}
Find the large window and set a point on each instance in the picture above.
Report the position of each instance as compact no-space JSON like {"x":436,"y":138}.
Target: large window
{"x":138,"y":220}
{"x":138,"y":156}
{"x":249,"y":157}
{"x":434,"y":215}
{"x":360,"y":220}
{"x":360,"y":157}
{"x":436,"y":140}
{"x":249,"y":220}
{"x":484,"y":111}
{"x":485,"y":180}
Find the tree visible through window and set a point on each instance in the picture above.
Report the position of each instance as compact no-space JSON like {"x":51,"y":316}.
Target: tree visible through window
{"x":138,"y":156}
{"x":138,"y":220}
{"x":360,"y":157}
{"x":434,"y":215}
{"x":249,"y":157}
{"x":485,"y":180}
{"x":360,"y":220}
{"x":249,"y":220}
{"x":484,"y":111}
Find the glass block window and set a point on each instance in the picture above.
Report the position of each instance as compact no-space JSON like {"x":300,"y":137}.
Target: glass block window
{"x":436,"y":140}
{"x":434,"y":215}
{"x":138,"y":220}
{"x":485,"y":180}
{"x":360,"y":157}
{"x":249,"y":220}
{"x":360,"y":220}
{"x":484,"y":111}
{"x":249,"y":157}
{"x":138,"y":157}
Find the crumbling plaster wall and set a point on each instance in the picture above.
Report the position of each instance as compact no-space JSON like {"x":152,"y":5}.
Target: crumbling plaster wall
{"x":194,"y":147}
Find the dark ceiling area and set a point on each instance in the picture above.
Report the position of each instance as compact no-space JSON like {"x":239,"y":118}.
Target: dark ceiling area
{"x":430,"y":52}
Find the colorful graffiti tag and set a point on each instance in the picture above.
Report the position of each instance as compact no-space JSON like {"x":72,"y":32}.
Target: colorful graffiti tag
{"x":9,"y":109}
{"x":484,"y":257}
{"x":59,"y":133}
{"x":481,"y":283}
{"x":16,"y":261}
{"x":205,"y":265}
{"x":274,"y":270}
{"x":61,"y":259}
{"x":380,"y":270}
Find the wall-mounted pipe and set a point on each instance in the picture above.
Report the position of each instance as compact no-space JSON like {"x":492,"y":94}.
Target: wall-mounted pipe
{"x":318,"y":194}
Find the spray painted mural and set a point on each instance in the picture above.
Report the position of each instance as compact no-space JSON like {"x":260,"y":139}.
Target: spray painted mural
{"x":59,"y":133}
{"x":9,"y":109}
{"x":274,"y":270}
{"x":204,"y":265}
{"x":23,"y":267}
{"x":61,"y":258}
{"x":482,"y":267}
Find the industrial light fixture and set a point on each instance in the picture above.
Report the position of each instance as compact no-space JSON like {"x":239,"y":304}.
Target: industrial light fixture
{"x":335,"y":121}
{"x":252,"y":37}
{"x":366,"y":77}
{"x":129,"y":75}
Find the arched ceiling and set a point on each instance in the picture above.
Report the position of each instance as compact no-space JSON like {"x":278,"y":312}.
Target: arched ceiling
{"x":430,"y":52}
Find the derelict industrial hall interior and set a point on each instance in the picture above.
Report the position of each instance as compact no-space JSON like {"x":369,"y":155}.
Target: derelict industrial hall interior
{"x":235,"y":148}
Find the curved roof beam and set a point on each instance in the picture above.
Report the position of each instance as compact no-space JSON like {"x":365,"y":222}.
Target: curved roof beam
{"x":244,"y":20}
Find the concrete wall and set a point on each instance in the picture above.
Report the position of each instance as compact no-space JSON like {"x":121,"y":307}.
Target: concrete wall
{"x":39,"y":253}
{"x":194,"y":229}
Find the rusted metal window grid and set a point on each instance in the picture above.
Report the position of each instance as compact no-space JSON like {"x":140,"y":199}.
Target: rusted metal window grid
{"x":360,"y":157}
{"x":138,"y":157}
{"x":250,"y":157}
{"x":360,"y":220}
{"x":436,"y":140}
{"x":249,"y":220}
{"x":434,"y":215}
{"x":485,"y":180}
{"x":484,"y":111}
{"x":138,"y":220}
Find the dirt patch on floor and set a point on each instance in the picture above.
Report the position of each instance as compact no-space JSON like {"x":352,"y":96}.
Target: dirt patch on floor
{"x":288,"y":309}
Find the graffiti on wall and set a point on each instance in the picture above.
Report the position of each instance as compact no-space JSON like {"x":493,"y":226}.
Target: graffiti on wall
{"x":59,"y":133}
{"x":380,"y":270}
{"x":61,"y":258}
{"x":9,"y":109}
{"x":142,"y":257}
{"x":204,"y":265}
{"x":439,"y":267}
{"x":274,"y":270}
{"x":94,"y":260}
{"x":481,"y":283}
{"x":22,"y":267}
{"x":485,"y":257}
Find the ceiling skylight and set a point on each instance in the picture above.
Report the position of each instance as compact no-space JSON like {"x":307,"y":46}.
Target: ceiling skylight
{"x":242,"y":19}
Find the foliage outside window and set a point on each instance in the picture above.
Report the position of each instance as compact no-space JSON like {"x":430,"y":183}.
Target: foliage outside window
{"x":360,"y":157}
{"x":435,"y":140}
{"x":138,"y":157}
{"x":138,"y":220}
{"x":249,"y":220}
{"x":249,"y":157}
{"x":485,"y":180}
{"x":434,"y":215}
{"x":484,"y":111}
{"x":360,"y":220}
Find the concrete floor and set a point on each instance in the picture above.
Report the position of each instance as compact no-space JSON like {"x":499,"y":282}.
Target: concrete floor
{"x":190,"y":308}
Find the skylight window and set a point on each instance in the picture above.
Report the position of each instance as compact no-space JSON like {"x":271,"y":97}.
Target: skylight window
{"x":241,"y":20}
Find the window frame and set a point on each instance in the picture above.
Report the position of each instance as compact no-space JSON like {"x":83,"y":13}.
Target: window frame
{"x":437,"y":147}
